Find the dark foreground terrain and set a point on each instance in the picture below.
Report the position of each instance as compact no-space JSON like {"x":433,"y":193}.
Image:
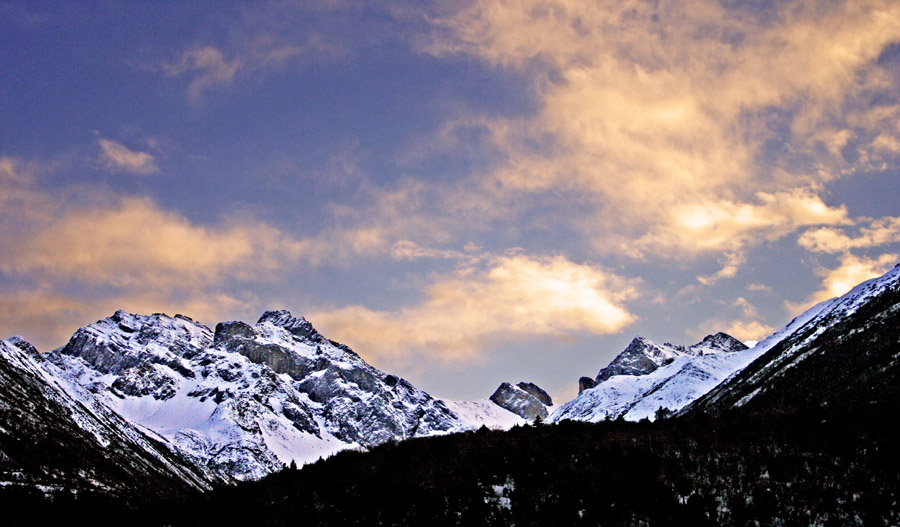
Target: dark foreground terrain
{"x":823,"y":469}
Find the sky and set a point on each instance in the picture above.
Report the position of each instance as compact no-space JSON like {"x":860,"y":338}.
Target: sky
{"x":464,"y":192}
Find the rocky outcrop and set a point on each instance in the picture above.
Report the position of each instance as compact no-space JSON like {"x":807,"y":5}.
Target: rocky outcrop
{"x":536,"y":391}
{"x":519,"y":401}
{"x":586,"y":383}
{"x":639,"y":358}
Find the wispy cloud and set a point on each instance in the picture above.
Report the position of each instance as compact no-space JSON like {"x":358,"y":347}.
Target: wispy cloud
{"x":870,"y":233}
{"x":118,"y":157}
{"x":851,"y":270}
{"x":207,"y":68}
{"x":509,"y":296}
{"x":747,"y":325}
{"x":662,"y":115}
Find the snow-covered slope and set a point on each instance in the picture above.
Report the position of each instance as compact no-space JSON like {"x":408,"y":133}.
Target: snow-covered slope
{"x":851,"y":350}
{"x":56,"y":436}
{"x":485,"y":412}
{"x":244,"y":400}
{"x":647,"y":376}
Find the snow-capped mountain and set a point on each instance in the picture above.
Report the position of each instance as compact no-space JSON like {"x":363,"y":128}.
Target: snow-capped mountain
{"x":56,"y":436}
{"x":647,"y":376}
{"x":246,"y":399}
{"x":840,"y":352}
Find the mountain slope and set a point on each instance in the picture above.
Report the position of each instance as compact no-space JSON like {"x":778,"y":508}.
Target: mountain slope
{"x":843,"y":352}
{"x":55,"y":437}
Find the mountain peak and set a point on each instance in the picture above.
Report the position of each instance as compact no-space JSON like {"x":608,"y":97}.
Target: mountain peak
{"x":640,"y":357}
{"x":721,"y":341}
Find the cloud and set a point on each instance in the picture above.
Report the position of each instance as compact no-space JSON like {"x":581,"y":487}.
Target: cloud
{"x":880,"y":231}
{"x":410,"y":250}
{"x":730,"y":268}
{"x":135,"y":242}
{"x":118,"y":157}
{"x":729,"y":226}
{"x":746,"y":327}
{"x":65,"y":265}
{"x":663,"y":117}
{"x":749,"y":330}
{"x":514,"y":295}
{"x":248,"y":51}
{"x":208,"y":68}
{"x":851,"y":271}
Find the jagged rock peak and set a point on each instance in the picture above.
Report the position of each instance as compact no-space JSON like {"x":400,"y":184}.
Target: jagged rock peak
{"x":642,"y":356}
{"x":721,"y":341}
{"x":536,"y":391}
{"x":519,"y":401}
{"x":298,"y":326}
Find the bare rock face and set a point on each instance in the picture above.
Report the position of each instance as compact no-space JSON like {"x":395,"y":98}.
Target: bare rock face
{"x":536,"y":391}
{"x":586,"y":383}
{"x":639,"y":358}
{"x":519,"y":401}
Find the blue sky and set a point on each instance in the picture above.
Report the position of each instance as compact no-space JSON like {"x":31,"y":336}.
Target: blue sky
{"x":464,"y":192}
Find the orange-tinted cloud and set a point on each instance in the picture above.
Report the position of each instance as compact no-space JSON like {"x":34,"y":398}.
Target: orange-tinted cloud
{"x":657,"y":113}
{"x":836,"y":240}
{"x":511,"y":296}
{"x":850,"y":271}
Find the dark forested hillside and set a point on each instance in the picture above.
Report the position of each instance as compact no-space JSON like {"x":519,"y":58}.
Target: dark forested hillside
{"x":783,"y":471}
{"x":851,"y":365}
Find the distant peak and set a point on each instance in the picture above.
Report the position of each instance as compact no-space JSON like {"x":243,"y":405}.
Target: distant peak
{"x":722,"y":341}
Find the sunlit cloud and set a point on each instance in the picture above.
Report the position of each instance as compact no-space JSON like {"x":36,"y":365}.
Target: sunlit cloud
{"x":746,"y":326}
{"x":729,"y":226}
{"x":66,"y":266}
{"x":851,"y":270}
{"x":837,"y":240}
{"x":136,"y":242}
{"x":410,"y":250}
{"x":661,"y":113}
{"x":117,"y":157}
{"x":732,"y":263}
{"x":510,"y":296}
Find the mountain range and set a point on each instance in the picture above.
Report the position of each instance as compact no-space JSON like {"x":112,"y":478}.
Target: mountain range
{"x":168,"y":400}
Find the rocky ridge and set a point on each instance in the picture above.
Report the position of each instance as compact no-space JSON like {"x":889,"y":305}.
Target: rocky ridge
{"x":245,"y":400}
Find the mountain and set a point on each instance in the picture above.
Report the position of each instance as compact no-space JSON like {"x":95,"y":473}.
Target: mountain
{"x":244,"y":400}
{"x":842,"y":353}
{"x":57,"y":438}
{"x":647,"y":376}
